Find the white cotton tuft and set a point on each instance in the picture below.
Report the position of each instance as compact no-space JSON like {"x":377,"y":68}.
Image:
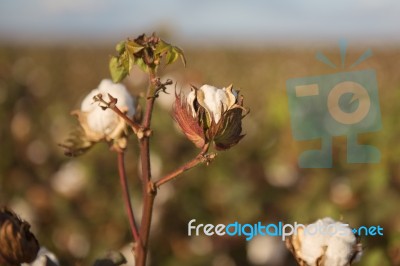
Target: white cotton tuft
{"x":105,"y":121}
{"x":214,"y":99}
{"x":331,"y":239}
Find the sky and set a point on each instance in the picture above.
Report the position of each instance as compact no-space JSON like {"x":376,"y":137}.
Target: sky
{"x":206,"y":21}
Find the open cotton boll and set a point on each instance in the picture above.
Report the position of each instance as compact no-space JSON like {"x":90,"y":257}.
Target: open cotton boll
{"x":213,"y":99}
{"x":313,"y":244}
{"x":210,"y":114}
{"x":105,"y":121}
{"x":340,"y":249}
{"x":329,"y":241}
{"x":216,"y":100}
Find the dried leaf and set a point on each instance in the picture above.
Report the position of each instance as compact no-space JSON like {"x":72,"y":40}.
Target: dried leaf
{"x":190,"y":125}
{"x":229,"y":131}
{"x":76,"y":144}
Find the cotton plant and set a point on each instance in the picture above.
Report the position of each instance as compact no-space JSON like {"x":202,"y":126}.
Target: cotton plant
{"x":209,"y":116}
{"x":328,"y":243}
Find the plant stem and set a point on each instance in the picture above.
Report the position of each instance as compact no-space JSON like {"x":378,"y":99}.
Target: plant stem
{"x":200,"y":158}
{"x":149,"y":188}
{"x":127,"y":197}
{"x":135,"y":127}
{"x":146,"y":224}
{"x":148,"y":192}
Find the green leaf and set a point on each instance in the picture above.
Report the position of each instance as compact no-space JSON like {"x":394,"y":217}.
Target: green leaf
{"x":174,"y":54}
{"x":133,"y":47}
{"x":171,"y":56}
{"x":118,"y":71}
{"x":120,"y":47}
{"x":179,"y":51}
{"x":124,"y":60}
{"x":131,"y":62}
{"x":141,"y":64}
{"x":162,"y":47}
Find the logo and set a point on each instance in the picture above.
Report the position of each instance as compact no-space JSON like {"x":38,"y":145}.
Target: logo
{"x":338,"y":104}
{"x":280,"y":229}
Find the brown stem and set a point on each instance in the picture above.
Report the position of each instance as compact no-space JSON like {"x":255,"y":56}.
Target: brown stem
{"x":200,"y":158}
{"x":135,"y":127}
{"x":112,"y":105}
{"x":148,"y":192}
{"x":146,"y":224}
{"x":127,"y":197}
{"x":150,"y":102}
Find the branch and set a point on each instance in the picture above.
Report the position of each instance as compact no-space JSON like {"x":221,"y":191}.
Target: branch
{"x":112,"y":105}
{"x":135,"y":127}
{"x":202,"y":157}
{"x":127,"y":197}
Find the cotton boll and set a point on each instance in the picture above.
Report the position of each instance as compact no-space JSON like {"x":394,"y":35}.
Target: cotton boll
{"x":328,"y":242}
{"x":105,"y":121}
{"x":120,"y":92}
{"x":314,"y":242}
{"x":338,"y":252}
{"x":340,"y":249}
{"x":100,"y":122}
{"x":214,"y":100}
{"x":313,"y":245}
{"x":88,"y":104}
{"x":210,"y":113}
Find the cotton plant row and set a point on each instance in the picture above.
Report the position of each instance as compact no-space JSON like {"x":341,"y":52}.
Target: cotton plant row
{"x":210,"y":117}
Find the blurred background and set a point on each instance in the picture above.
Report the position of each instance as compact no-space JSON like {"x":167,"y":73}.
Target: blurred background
{"x":52,"y":53}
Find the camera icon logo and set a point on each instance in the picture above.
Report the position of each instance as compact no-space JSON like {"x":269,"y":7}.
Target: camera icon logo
{"x":339,"y":104}
{"x":359,"y":92}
